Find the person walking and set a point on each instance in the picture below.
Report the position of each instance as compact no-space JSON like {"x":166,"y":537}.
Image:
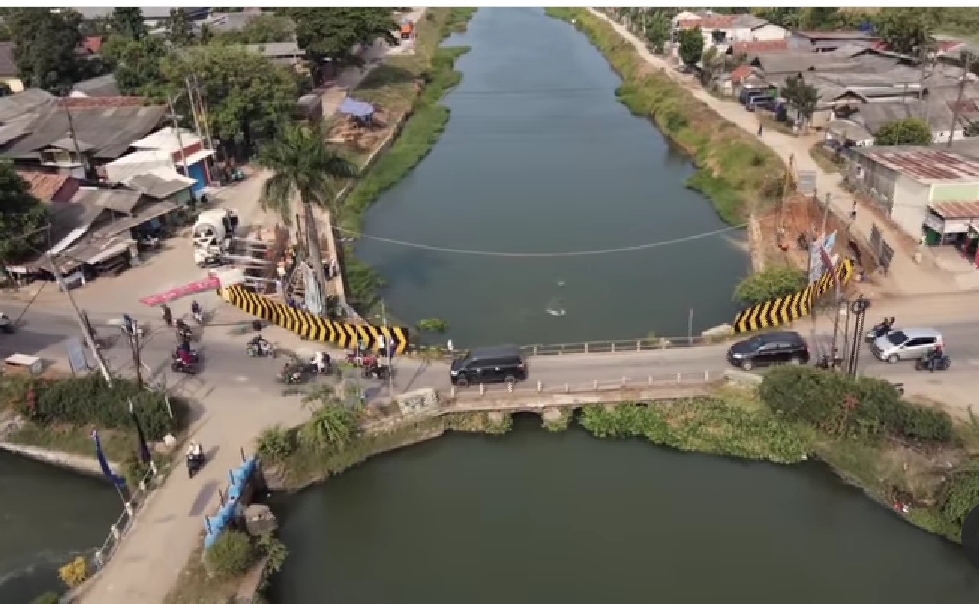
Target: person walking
{"x":167,"y":315}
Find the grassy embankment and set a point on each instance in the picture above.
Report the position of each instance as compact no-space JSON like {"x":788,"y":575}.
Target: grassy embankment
{"x":737,"y":172}
{"x":392,"y":85}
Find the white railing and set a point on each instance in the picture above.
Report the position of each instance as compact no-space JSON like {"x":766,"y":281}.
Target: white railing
{"x":119,"y":528}
{"x":672,"y":380}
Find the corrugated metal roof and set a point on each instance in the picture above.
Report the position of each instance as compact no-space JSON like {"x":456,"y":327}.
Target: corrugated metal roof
{"x":926,"y":165}
{"x":117,"y":200}
{"x":956,"y":210}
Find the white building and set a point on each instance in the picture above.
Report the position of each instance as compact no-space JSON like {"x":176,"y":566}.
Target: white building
{"x":164,"y":152}
{"x":723,"y":31}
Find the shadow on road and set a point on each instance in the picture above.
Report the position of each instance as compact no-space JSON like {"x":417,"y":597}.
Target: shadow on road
{"x":204,"y":497}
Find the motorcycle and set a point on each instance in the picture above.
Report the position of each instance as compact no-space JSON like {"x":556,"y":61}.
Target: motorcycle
{"x":936,"y":363}
{"x":194,"y":464}
{"x":377,"y":371}
{"x":899,"y":386}
{"x":292,"y":374}
{"x":261,"y":348}
{"x":178,"y":365}
{"x":184,"y":332}
{"x":881,"y":329}
{"x":825,"y":362}
{"x":6,"y":325}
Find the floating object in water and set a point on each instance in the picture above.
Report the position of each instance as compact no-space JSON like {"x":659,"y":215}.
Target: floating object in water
{"x":555,"y":308}
{"x":560,"y":283}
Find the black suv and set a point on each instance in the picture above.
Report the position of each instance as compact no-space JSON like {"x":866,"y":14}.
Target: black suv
{"x":769,"y":349}
{"x":488,"y":365}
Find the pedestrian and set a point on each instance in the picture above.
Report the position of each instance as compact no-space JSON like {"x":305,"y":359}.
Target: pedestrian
{"x":760,"y":129}
{"x":853,"y":211}
{"x":382,"y":345}
{"x":167,"y":316}
{"x":334,"y":268}
{"x":449,"y":346}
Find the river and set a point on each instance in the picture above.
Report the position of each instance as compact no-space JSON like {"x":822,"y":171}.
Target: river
{"x":48,"y":516}
{"x":539,"y":517}
{"x":538,"y":157}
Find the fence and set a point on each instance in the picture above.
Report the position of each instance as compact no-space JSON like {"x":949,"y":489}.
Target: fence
{"x":664,"y":381}
{"x":120,"y":526}
{"x":637,"y":345}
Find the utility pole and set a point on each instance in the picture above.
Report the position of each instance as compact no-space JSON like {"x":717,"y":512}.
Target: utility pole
{"x":191,"y":94}
{"x":779,"y":225}
{"x":825,"y":214}
{"x":967,"y":58}
{"x":74,"y":136}
{"x":176,"y":130}
{"x":137,"y":361}
{"x":85,"y":325}
{"x":387,"y":348}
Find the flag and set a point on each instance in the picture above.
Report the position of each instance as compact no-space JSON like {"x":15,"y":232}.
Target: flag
{"x":117,"y":480}
{"x":144,"y":451}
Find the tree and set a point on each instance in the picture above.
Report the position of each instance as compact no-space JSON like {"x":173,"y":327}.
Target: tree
{"x":128,"y":22}
{"x":801,"y":96}
{"x":906,"y":29}
{"x":45,"y":47}
{"x":657,"y":31}
{"x":22,"y":217}
{"x":335,"y":33}
{"x":818,"y":18}
{"x":333,"y":424}
{"x":303,"y":165}
{"x":265,"y":29}
{"x":769,"y":284}
{"x":247,"y":95}
{"x":712,"y":62}
{"x":691,"y":46}
{"x":783,"y":17}
{"x":180,"y":31}
{"x":910,"y":131}
{"x":137,"y":64}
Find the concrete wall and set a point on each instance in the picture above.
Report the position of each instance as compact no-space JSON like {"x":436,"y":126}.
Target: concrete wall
{"x":910,"y":205}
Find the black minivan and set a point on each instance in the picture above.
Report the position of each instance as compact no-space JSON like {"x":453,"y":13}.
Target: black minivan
{"x":773,"y":348}
{"x":489,"y":365}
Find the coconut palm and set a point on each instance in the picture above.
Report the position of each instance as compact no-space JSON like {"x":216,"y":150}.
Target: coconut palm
{"x":304,"y":165}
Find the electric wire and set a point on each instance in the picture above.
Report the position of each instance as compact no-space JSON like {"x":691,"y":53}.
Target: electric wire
{"x":567,"y":254}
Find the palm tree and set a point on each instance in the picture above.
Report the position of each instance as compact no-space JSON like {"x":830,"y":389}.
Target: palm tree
{"x":304,"y":165}
{"x":333,"y":424}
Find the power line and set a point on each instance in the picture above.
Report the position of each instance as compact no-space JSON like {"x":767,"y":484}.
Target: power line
{"x":470,"y":252}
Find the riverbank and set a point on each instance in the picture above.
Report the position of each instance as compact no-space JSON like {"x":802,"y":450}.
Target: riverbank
{"x":738,"y":173}
{"x":394,"y":84}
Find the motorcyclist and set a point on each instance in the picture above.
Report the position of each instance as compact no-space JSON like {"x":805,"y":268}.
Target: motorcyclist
{"x":197,"y":311}
{"x":935,"y":357}
{"x":321,"y":361}
{"x":260,"y":344}
{"x":184,"y":355}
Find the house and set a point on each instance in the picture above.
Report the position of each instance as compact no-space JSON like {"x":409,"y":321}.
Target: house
{"x":723,"y":31}
{"x":72,"y":135}
{"x":9,"y":73}
{"x":168,"y":148}
{"x":51,"y":188}
{"x":741,"y":77}
{"x":286,"y":54}
{"x":919,"y":187}
{"x":102,"y":86}
{"x":828,"y":41}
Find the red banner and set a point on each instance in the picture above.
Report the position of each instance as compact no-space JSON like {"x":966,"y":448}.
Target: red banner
{"x":194,"y":287}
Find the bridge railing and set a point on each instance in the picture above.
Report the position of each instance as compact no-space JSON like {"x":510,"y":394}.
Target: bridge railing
{"x":666,"y":380}
{"x":605,"y":346}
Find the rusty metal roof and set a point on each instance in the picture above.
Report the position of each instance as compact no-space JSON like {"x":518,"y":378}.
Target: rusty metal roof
{"x":927,"y":165}
{"x":957,"y":210}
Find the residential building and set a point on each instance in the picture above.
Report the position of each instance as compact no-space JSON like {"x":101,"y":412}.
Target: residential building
{"x":9,"y":73}
{"x":828,"y":41}
{"x":723,"y":31}
{"x":180,"y":150}
{"x":72,"y":135}
{"x":929,"y":192}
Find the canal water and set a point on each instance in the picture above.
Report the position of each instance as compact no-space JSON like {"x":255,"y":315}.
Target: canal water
{"x":539,"y":158}
{"x":539,"y":517}
{"x":47,"y":517}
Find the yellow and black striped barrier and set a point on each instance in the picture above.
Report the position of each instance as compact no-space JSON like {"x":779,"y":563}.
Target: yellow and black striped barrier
{"x":784,"y":310}
{"x":312,"y":327}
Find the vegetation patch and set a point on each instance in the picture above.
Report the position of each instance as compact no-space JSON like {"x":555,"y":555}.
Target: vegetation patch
{"x":769,"y":284}
{"x":736,"y":171}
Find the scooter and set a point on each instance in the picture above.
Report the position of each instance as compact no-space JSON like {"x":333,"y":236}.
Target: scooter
{"x":177,"y":364}
{"x":927,"y":363}
{"x":194,"y":464}
{"x":292,"y":374}
{"x":377,"y":371}
{"x":881,"y":329}
{"x":825,"y":362}
{"x":260,"y":349}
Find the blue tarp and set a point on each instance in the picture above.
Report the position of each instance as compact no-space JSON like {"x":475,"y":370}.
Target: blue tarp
{"x":234,"y":491}
{"x":356,"y":108}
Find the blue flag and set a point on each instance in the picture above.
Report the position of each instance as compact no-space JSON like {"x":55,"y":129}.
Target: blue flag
{"x":117,"y":480}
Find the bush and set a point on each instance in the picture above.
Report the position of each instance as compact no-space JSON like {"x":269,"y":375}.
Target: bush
{"x":276,"y":443}
{"x":89,"y":401}
{"x":840,"y":405}
{"x":961,"y":495}
{"x":46,"y":598}
{"x":769,"y":284}
{"x":133,"y":469}
{"x":75,"y":572}
{"x":231,"y":555}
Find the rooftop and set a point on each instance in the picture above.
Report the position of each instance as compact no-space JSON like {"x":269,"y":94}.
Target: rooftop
{"x":760,"y":46}
{"x":166,"y":139}
{"x":117,"y":200}
{"x":102,"y":86}
{"x":837,"y":35}
{"x":44,"y":186}
{"x":956,"y":210}
{"x":925,"y":164}
{"x":150,"y":13}
{"x":159,"y":187}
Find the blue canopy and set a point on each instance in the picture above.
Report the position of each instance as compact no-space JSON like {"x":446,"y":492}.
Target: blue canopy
{"x":356,"y":108}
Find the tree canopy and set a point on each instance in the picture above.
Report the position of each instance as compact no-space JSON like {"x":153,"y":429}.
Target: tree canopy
{"x":127,"y":21}
{"x":657,"y":32}
{"x":906,"y":30}
{"x":911,"y":131}
{"x":769,"y":284}
{"x":265,"y":29}
{"x":180,"y":31}
{"x":691,"y":45}
{"x":137,"y":63}
{"x":46,"y":42}
{"x":20,"y":215}
{"x":334,"y":33}
{"x":801,"y":96}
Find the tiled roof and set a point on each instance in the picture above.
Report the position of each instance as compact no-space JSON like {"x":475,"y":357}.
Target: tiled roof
{"x":741,"y":72}
{"x":956,"y":210}
{"x":44,"y":186}
{"x":760,"y":46}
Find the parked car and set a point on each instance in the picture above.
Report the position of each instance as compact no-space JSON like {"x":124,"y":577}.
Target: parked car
{"x":906,"y":344}
{"x":489,"y":365}
{"x":761,"y":102}
{"x":764,"y":349}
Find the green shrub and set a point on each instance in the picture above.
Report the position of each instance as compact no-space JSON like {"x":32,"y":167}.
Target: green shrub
{"x":961,"y":495}
{"x":133,"y":469}
{"x":231,"y":555}
{"x":46,"y":598}
{"x":769,"y":284}
{"x":89,"y":401}
{"x":820,"y":398}
{"x":276,"y":443}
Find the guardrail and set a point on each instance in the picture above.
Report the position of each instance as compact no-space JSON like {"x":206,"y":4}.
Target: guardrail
{"x":118,"y":529}
{"x":664,"y":381}
{"x":602,"y":346}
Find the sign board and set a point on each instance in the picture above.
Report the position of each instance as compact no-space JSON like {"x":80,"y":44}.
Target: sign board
{"x":807,"y":182}
{"x":76,"y":355}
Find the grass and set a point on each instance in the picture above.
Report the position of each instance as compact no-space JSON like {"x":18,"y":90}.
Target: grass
{"x":76,"y":440}
{"x":736,"y":171}
{"x":195,"y":587}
